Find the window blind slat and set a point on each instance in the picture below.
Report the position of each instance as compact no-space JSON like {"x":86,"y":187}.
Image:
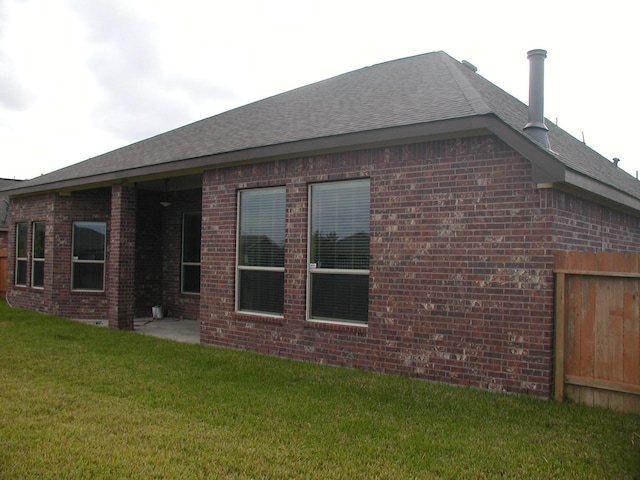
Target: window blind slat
{"x":340,"y":225}
{"x":262,"y":228}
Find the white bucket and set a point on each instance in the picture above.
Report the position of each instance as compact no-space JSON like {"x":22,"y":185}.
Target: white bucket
{"x":156,"y":312}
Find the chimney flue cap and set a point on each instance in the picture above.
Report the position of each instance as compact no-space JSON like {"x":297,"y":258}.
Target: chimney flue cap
{"x":537,"y":51}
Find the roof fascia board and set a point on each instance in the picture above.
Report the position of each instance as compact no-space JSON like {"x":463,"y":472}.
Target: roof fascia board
{"x":465,"y":126}
{"x":593,"y":188}
{"x":547,"y":168}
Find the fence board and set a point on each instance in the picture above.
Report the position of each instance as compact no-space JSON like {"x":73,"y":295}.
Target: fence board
{"x":589,"y":350}
{"x":560,"y":333}
{"x":597,"y":343}
{"x":630,"y":366}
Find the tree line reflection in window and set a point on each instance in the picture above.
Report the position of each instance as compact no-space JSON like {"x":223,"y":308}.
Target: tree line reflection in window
{"x":88,"y":255}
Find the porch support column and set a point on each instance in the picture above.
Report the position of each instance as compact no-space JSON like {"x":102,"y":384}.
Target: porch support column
{"x":122,"y":256}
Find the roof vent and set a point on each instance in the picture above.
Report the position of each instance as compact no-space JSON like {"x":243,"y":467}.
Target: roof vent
{"x":470,"y":66}
{"x":536,"y":128}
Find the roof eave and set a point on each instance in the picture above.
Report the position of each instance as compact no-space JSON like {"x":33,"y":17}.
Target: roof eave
{"x":466,"y":126}
{"x":547,"y":168}
{"x":587,"y":187}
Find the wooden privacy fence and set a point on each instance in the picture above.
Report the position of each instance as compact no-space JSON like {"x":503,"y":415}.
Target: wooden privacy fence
{"x":597,"y":329}
{"x":3,"y":273}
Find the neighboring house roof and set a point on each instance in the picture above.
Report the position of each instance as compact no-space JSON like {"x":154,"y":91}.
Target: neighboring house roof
{"x":4,"y":201}
{"x":419,"y":97}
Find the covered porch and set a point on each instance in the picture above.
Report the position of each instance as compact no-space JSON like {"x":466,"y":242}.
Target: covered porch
{"x":154,"y":254}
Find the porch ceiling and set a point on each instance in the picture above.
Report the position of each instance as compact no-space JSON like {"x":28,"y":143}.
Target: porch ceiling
{"x":171,"y":183}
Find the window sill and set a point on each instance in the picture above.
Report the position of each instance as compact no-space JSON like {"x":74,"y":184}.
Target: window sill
{"x":360,"y":329}
{"x":256,"y":317}
{"x":28,"y":288}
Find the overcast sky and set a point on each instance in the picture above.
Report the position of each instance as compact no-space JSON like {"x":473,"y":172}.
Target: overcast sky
{"x":83,"y":77}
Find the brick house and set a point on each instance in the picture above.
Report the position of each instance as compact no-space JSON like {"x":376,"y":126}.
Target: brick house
{"x":4,"y":233}
{"x":400,"y":218}
{"x":4,"y":211}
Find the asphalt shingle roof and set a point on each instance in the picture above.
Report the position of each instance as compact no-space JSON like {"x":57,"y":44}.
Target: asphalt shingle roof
{"x":426,"y":88}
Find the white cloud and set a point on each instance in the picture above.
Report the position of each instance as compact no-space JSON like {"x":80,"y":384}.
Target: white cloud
{"x":143,"y":89}
{"x":79,"y":78}
{"x":13,"y":94}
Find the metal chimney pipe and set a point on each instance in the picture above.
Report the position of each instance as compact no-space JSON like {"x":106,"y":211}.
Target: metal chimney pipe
{"x":536,"y":128}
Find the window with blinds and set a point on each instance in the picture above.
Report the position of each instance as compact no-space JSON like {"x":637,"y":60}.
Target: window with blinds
{"x":191,"y":242}
{"x":21,"y":253}
{"x":339,"y":251}
{"x":88,"y":255}
{"x":37,"y":255}
{"x":260,"y":251}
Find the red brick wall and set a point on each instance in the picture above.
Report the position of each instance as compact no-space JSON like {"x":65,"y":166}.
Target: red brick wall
{"x":141,"y":223}
{"x":149,"y":235}
{"x":183,"y":305}
{"x":586,"y":226}
{"x":58,"y":213}
{"x":30,"y":210}
{"x":460,"y":249}
{"x":158,"y":253}
{"x":121,"y":264}
{"x":461,"y":284}
{"x":94,"y":206}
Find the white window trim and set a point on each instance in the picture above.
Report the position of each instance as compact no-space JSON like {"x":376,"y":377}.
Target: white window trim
{"x":189,"y":264}
{"x":249,"y":267}
{"x":21,"y":259}
{"x":312,"y":270}
{"x":75,"y":260}
{"x":35,"y":259}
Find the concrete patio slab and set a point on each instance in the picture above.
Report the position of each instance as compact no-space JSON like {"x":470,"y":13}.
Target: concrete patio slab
{"x":187,"y":331}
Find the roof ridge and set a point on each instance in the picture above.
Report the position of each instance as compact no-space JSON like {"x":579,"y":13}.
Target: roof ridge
{"x":471,"y":94}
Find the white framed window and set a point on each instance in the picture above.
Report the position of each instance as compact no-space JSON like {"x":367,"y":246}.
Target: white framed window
{"x":191,"y":246}
{"x":338,"y":275}
{"x":37,"y":255}
{"x":260,"y":251}
{"x":88,"y":256}
{"x":21,"y":253}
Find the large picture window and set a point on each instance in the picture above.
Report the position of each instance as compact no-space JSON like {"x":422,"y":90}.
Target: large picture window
{"x":88,"y":255}
{"x":339,"y":252}
{"x":37,"y":255}
{"x":260,"y":255}
{"x":21,"y":253}
{"x":191,"y":241}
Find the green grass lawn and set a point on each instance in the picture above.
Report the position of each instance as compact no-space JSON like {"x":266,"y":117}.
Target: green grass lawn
{"x":78,"y":401}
